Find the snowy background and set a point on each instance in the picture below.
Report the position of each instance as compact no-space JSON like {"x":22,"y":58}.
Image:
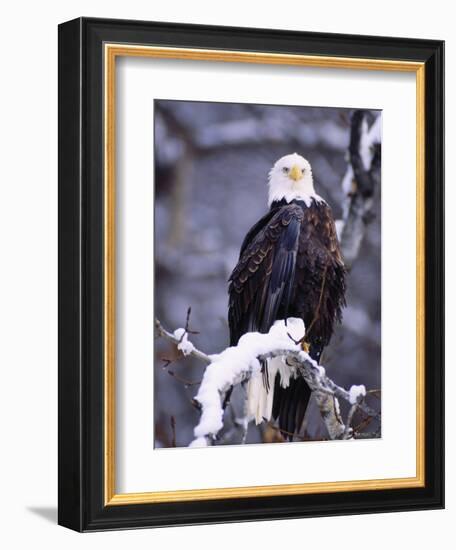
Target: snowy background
{"x":212,"y":162}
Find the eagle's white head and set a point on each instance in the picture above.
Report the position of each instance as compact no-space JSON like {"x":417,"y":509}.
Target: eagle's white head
{"x":291,"y":178}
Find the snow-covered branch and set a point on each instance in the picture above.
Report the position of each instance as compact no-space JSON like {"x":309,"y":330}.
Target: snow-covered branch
{"x":359,"y":182}
{"x":236,"y":364}
{"x":176,"y":338}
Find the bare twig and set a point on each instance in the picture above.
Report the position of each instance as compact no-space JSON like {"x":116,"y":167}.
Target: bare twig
{"x":187,"y":383}
{"x":363,"y":424}
{"x":161,"y":332}
{"x":187,"y":324}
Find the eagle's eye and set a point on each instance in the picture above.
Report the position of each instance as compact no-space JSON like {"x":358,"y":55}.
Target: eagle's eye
{"x":285,"y":170}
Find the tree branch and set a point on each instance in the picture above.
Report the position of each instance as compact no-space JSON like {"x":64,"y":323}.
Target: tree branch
{"x":236,"y":364}
{"x":161,"y":332}
{"x":361,"y":178}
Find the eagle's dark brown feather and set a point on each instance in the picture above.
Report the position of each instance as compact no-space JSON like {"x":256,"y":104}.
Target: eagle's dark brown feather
{"x":264,"y":275}
{"x":290,"y":265}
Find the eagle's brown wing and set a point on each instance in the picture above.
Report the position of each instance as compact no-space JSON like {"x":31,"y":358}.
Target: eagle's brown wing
{"x":262,"y":282}
{"x":320,"y":277}
{"x":290,"y":262}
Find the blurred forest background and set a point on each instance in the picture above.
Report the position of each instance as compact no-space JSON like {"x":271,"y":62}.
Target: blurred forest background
{"x":211,"y":166}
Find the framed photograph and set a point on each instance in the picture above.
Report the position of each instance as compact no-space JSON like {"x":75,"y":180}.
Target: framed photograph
{"x":250,"y":274}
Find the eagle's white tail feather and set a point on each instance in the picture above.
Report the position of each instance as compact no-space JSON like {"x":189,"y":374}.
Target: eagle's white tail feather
{"x":259,"y":398}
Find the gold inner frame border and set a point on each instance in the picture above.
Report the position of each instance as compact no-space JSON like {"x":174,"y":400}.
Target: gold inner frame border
{"x":110,"y":53}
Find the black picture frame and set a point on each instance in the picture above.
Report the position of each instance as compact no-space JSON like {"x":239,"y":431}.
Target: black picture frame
{"x":81,"y":429}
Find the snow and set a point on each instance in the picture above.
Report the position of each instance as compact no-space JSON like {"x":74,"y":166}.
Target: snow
{"x":375,"y":133}
{"x":365,"y":145}
{"x":198,"y":442}
{"x":356,"y":392}
{"x":185,"y":346}
{"x":369,"y":138}
{"x":339,"y":228}
{"x":235,"y":364}
{"x":347,"y":182}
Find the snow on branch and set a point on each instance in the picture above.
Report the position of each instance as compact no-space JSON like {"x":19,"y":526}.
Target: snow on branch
{"x":236,"y":364}
{"x":359,"y":183}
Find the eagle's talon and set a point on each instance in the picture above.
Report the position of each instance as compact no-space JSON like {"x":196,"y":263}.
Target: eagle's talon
{"x":305,"y":346}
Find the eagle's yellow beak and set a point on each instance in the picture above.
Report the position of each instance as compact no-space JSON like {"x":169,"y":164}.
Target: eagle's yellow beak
{"x":295,"y":173}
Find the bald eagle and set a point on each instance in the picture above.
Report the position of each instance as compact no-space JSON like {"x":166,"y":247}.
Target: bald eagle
{"x":290,"y":265}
